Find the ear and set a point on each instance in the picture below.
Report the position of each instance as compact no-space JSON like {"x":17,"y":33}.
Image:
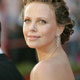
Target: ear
{"x":60,"y":30}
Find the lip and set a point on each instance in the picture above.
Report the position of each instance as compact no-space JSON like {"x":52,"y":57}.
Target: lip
{"x":32,"y":38}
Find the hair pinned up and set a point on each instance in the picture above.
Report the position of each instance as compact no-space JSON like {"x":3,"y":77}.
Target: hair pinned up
{"x":62,"y":16}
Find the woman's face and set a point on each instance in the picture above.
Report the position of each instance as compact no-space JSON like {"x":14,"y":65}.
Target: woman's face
{"x":40,"y":25}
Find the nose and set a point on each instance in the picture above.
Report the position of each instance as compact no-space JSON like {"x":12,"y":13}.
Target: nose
{"x":33,"y":27}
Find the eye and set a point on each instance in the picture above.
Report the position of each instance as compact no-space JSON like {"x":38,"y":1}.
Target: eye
{"x":27,"y":21}
{"x":42,"y":21}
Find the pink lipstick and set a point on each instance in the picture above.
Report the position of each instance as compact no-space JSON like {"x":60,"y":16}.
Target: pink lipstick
{"x":32,"y":38}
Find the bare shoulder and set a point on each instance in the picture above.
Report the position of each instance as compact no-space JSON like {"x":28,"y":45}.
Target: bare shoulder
{"x":40,"y":72}
{"x":51,"y":70}
{"x":37,"y":71}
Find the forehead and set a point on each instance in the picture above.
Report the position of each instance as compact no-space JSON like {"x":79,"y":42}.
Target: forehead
{"x":38,"y":9}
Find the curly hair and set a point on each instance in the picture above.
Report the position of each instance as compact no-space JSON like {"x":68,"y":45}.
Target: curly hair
{"x":62,"y":16}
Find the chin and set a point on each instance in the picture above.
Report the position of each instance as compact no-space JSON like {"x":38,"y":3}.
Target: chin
{"x":32,"y":45}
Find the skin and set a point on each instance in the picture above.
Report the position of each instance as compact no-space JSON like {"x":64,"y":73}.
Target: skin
{"x":40,"y":31}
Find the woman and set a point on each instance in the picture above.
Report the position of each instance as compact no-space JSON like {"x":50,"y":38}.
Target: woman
{"x":47,"y":26}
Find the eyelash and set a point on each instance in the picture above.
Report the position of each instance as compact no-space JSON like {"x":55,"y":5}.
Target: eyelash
{"x":40,"y":21}
{"x":43,"y":21}
{"x":27,"y":20}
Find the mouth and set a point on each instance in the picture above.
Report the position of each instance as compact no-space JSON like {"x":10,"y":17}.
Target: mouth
{"x":32,"y":38}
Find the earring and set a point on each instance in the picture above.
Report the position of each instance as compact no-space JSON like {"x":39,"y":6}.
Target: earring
{"x":58,"y":40}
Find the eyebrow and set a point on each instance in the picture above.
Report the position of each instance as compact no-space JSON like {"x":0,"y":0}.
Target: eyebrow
{"x":42,"y":18}
{"x":37,"y":18}
{"x":26,"y":17}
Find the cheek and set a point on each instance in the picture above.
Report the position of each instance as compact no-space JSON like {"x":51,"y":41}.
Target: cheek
{"x":49,"y":31}
{"x":25,"y":30}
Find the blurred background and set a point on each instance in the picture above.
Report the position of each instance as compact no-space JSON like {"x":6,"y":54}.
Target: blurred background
{"x":14,"y":45}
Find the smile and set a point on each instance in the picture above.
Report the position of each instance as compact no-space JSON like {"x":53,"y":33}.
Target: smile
{"x":32,"y":38}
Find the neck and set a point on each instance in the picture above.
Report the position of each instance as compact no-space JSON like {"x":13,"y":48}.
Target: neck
{"x":47,"y":52}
